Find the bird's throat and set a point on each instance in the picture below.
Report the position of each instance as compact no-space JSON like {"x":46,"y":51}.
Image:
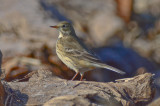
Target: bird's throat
{"x":60,"y":35}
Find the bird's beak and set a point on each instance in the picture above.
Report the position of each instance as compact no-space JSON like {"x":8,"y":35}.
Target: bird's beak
{"x":54,"y":26}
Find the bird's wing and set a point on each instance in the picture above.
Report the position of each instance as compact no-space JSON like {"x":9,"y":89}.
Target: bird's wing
{"x":77,"y":49}
{"x":82,"y":54}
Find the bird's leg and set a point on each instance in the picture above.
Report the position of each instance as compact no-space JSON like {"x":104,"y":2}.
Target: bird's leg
{"x":81,"y":77}
{"x":75,"y":76}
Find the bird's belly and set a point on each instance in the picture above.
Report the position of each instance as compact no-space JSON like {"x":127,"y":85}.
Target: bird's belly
{"x":77,"y":65}
{"x":66,"y":60}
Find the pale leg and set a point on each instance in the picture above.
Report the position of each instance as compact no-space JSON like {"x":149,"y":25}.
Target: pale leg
{"x":81,"y":77}
{"x":75,"y":76}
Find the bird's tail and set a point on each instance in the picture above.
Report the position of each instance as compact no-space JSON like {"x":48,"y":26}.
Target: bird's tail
{"x":102,"y":65}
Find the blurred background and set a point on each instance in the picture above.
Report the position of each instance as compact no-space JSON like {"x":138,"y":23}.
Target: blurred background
{"x":123,"y":33}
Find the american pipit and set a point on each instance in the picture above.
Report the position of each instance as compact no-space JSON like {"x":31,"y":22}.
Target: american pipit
{"x":74,"y":53}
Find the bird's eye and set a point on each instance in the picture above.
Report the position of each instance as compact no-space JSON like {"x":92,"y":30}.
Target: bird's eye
{"x":63,"y":26}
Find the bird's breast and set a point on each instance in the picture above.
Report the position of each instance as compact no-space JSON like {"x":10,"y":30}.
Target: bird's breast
{"x":62,"y":54}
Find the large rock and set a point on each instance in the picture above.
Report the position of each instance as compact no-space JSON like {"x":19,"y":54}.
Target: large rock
{"x":43,"y":88}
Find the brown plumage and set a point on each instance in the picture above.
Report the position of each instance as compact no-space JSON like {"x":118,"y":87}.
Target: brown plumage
{"x":74,"y":53}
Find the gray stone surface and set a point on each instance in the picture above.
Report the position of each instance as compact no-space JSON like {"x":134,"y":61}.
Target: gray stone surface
{"x":43,"y":88}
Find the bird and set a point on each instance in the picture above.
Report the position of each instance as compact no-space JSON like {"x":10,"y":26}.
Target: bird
{"x":75,"y":54}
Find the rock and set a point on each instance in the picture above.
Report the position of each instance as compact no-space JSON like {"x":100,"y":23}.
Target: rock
{"x":83,"y":100}
{"x":102,"y":28}
{"x":45,"y":89}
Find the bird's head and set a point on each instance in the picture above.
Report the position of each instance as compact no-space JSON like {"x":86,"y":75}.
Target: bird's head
{"x":65,"y":28}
